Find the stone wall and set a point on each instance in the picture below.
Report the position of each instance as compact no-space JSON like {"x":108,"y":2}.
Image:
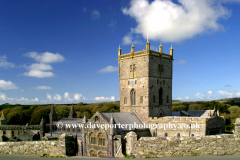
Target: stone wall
{"x":62,"y":147}
{"x":182,"y":146}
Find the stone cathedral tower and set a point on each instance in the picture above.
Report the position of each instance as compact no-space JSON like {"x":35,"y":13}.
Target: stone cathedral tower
{"x":145,"y":79}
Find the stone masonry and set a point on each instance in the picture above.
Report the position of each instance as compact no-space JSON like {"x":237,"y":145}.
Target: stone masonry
{"x":183,"y":146}
{"x":149,"y":74}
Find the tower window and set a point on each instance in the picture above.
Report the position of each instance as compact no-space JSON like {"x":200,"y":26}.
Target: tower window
{"x":154,"y":99}
{"x":125,"y":100}
{"x":141,"y":99}
{"x":178,"y":135}
{"x":158,"y":81}
{"x":161,"y":96}
{"x":135,"y":81}
{"x":167,"y":99}
{"x":130,"y":68}
{"x":134,"y":68}
{"x":133,"y":97}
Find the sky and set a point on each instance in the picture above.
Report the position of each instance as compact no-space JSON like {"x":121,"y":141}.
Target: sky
{"x":58,"y":51}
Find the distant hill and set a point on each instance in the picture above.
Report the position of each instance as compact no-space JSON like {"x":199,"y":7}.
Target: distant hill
{"x":235,"y":99}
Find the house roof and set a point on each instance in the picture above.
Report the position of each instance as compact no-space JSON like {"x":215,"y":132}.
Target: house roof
{"x":176,"y":113}
{"x":123,"y":118}
{"x":71,"y":120}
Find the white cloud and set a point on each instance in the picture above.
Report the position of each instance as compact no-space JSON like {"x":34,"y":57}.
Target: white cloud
{"x":40,"y":66}
{"x":46,"y":57}
{"x":95,"y":14}
{"x":108,"y":69}
{"x":77,"y":96}
{"x":99,"y":99}
{"x":182,"y":61}
{"x":67,"y":96}
{"x":38,"y":74}
{"x":224,"y":94}
{"x":171,"y":22}
{"x":49,"y":97}
{"x":127,"y":39}
{"x":199,"y":96}
{"x":57,"y":97}
{"x":42,"y":87}
{"x":4,"y":63}
{"x":3,"y":97}
{"x":6,"y":85}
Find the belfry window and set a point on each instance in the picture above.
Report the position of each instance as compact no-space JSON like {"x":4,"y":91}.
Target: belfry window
{"x":161,"y":96}
{"x":133,"y":97}
{"x":134,"y":68}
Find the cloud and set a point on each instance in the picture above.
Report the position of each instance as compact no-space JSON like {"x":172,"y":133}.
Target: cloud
{"x":228,"y":85}
{"x":22,"y":100}
{"x":108,"y":69}
{"x":49,"y":97}
{"x":166,"y":21}
{"x":42,"y":87}
{"x":57,"y":97}
{"x":199,"y":96}
{"x":77,"y":96}
{"x":3,"y":97}
{"x":84,"y":9}
{"x":6,"y":85}
{"x":40,"y":66}
{"x":46,"y":57}
{"x":4,"y":63}
{"x":182,"y":62}
{"x":113,"y":23}
{"x":99,"y":99}
{"x":95,"y":14}
{"x":38,"y":74}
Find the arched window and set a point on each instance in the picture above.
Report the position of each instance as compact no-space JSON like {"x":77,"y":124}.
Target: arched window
{"x":166,"y":134}
{"x":178,"y":135}
{"x":93,"y":139}
{"x":101,"y":140}
{"x":133,"y":97}
{"x":161,"y":96}
{"x":93,"y":153}
{"x":96,"y":119}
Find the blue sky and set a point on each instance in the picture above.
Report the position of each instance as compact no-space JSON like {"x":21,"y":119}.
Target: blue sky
{"x":58,"y":51}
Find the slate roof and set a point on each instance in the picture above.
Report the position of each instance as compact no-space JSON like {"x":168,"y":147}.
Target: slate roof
{"x":71,"y":120}
{"x":200,"y":113}
{"x":195,"y":113}
{"x":123,"y":118}
{"x":176,"y":113}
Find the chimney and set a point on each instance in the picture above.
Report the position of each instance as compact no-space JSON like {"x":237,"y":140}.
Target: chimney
{"x":160,"y":48}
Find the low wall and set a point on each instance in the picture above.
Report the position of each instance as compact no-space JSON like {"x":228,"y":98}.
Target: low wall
{"x":183,"y":146}
{"x":62,"y":147}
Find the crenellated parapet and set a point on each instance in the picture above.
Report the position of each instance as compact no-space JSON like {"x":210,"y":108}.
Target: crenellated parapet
{"x":176,"y":119}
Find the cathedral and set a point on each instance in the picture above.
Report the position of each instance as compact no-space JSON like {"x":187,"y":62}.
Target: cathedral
{"x":145,"y":85}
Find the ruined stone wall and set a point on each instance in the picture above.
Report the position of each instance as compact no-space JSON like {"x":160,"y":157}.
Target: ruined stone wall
{"x":183,"y":146}
{"x":172,"y":126}
{"x":64,"y":146}
{"x":41,"y":148}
